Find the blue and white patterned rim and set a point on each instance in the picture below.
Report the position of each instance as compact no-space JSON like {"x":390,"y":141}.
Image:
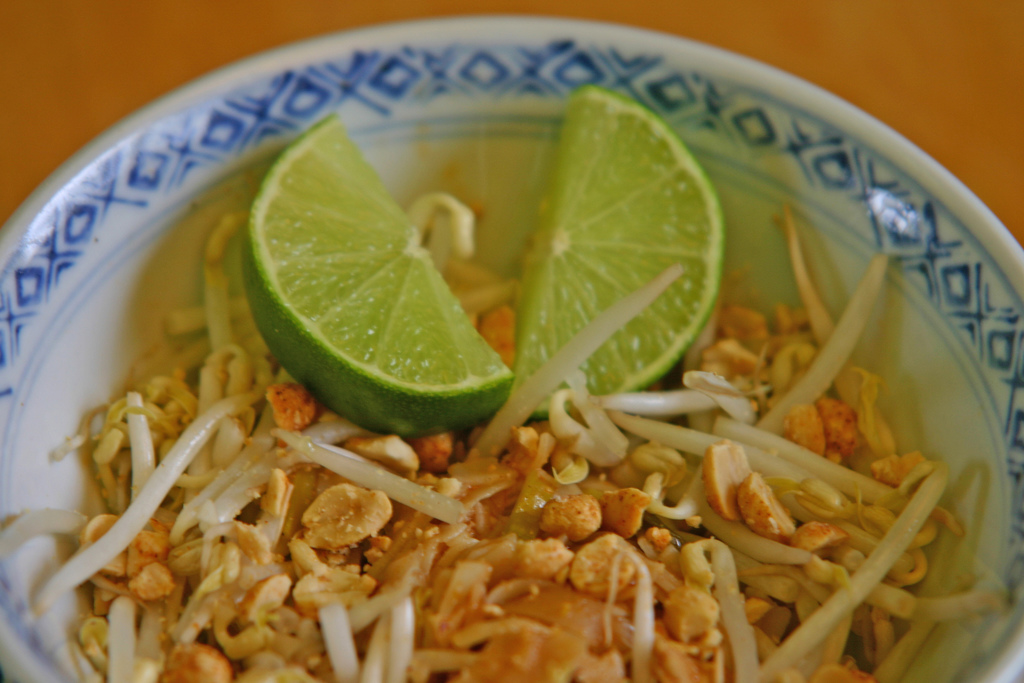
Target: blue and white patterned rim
{"x":230,"y":115}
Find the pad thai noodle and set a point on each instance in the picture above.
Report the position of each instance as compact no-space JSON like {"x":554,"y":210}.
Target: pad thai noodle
{"x":750,"y":518}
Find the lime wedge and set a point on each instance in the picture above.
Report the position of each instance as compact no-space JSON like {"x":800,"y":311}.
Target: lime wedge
{"x":350,"y":303}
{"x":627,"y":200}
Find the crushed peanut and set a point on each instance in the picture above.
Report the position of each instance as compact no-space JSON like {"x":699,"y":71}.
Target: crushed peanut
{"x":742,"y":323}
{"x":725,"y":468}
{"x":803,"y":427}
{"x":840,"y":424}
{"x":264,"y":597}
{"x":676,"y":663}
{"x":337,"y":584}
{"x":690,"y":613}
{"x":345,"y":514}
{"x":294,"y":407}
{"x":576,"y":517}
{"x":659,"y":537}
{"x":524,"y":453}
{"x":434,"y":451}
{"x":893,"y":469}
{"x":153,"y":582}
{"x":755,"y":608}
{"x":622,"y":511}
{"x":728,"y":358}
{"x":762,"y":511}
{"x":591,"y":569}
{"x":197,"y":662}
{"x":254,"y":543}
{"x":542,"y":559}
{"x":146,"y":548}
{"x":817,"y":536}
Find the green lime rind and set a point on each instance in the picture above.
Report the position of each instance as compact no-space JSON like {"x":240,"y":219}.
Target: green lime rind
{"x":627,"y":200}
{"x":349,"y":303}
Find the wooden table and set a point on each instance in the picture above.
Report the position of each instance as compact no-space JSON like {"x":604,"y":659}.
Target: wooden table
{"x":948,"y":75}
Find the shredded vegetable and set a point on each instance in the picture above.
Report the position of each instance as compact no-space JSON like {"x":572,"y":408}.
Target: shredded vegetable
{"x":811,"y":632}
{"x":91,"y":559}
{"x":725,"y":526}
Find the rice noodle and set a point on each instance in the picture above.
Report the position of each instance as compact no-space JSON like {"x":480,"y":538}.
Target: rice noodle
{"x":341,"y":647}
{"x":121,"y":640}
{"x":812,"y":631}
{"x":141,"y":440}
{"x":94,"y":557}
{"x":836,"y":351}
{"x":374,"y":477}
{"x":32,"y":523}
{"x":572,"y":355}
{"x":514,"y":588}
{"x":426,"y":661}
{"x":480,"y":632}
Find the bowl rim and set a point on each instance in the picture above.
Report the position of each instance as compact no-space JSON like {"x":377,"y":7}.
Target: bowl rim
{"x":996,"y":239}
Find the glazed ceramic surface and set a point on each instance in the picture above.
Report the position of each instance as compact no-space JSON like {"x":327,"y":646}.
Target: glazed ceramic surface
{"x":94,"y":260}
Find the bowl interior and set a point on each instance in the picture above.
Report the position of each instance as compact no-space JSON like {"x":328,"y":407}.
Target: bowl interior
{"x":472,"y":107}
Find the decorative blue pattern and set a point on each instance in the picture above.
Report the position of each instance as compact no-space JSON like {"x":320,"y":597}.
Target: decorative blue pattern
{"x":935,"y":258}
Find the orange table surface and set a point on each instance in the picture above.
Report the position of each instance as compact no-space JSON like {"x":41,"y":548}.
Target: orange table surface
{"x":948,"y":75}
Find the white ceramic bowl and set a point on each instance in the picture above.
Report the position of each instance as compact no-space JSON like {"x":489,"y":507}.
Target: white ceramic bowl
{"x":113,"y":240}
